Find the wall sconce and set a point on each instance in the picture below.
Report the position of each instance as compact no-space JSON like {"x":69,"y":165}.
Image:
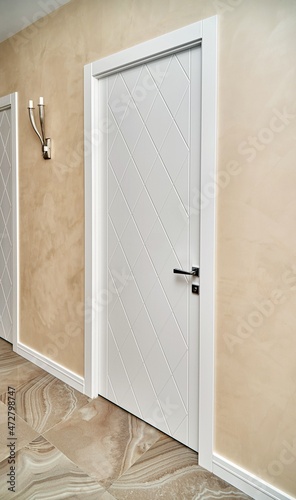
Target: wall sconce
{"x":45,"y":141}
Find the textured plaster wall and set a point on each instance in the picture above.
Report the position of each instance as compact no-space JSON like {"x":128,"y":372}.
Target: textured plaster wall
{"x":256,"y":240}
{"x":256,"y":292}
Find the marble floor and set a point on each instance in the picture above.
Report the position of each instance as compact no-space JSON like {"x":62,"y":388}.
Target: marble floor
{"x":63,"y":445}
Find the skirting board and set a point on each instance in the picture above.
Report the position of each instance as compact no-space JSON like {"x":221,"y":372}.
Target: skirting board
{"x":58,"y":371}
{"x":250,"y":484}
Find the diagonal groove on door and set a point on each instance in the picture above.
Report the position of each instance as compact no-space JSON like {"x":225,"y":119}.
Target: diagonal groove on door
{"x":122,"y":366}
{"x":156,"y":273}
{"x":151,"y":319}
{"x":141,"y":297}
{"x":151,"y":200}
{"x":178,"y":262}
{"x":143,"y":242}
{"x":119,"y":352}
{"x":157,"y":149}
{"x":165,"y":99}
{"x":123,"y":101}
{"x":150,"y":154}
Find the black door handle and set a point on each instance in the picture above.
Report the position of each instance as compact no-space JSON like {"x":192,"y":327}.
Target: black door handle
{"x":194,"y":272}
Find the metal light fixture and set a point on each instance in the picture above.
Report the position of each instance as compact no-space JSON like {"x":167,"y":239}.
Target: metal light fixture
{"x":45,"y":141}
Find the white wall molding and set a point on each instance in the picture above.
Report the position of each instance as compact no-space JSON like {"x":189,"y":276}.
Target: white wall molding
{"x":50,"y":366}
{"x":247,"y":482}
{"x":208,"y":241}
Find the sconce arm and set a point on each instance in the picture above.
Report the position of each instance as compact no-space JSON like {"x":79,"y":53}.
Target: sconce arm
{"x":32,"y":120}
{"x":42,"y":120}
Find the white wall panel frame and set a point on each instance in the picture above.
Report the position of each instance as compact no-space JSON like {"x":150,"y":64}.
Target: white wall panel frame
{"x":204,"y":32}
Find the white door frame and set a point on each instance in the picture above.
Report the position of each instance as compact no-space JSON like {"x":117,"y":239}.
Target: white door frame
{"x":204,"y":32}
{"x":10,"y":101}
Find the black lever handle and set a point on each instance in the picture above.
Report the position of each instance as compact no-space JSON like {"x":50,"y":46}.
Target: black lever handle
{"x":194,"y":272}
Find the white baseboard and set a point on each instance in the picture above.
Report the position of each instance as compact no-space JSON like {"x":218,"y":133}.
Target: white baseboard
{"x":59,"y":371}
{"x":250,"y":484}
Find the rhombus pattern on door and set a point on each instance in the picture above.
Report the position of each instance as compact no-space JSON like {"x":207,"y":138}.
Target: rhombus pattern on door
{"x":148,"y":235}
{"x":5,"y":226}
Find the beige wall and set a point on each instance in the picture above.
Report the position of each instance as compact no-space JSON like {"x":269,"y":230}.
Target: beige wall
{"x":256,"y":292}
{"x":256,"y":247}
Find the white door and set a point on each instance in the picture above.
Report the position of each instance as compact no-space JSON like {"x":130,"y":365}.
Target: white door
{"x":143,"y":143}
{"x":153,"y":172}
{"x":6,"y":226}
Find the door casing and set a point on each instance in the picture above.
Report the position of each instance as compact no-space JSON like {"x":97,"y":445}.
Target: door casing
{"x":205,"y":33}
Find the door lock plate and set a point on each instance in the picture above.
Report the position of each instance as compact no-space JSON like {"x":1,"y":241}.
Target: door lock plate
{"x":195,"y":289}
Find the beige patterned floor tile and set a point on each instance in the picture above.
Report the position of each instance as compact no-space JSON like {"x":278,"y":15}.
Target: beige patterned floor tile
{"x":5,"y":346}
{"x":15,"y":370}
{"x":103,"y":440}
{"x":44,"y":473}
{"x":169,"y":470}
{"x":108,"y":496}
{"x":46,"y":401}
{"x":23,"y":432}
